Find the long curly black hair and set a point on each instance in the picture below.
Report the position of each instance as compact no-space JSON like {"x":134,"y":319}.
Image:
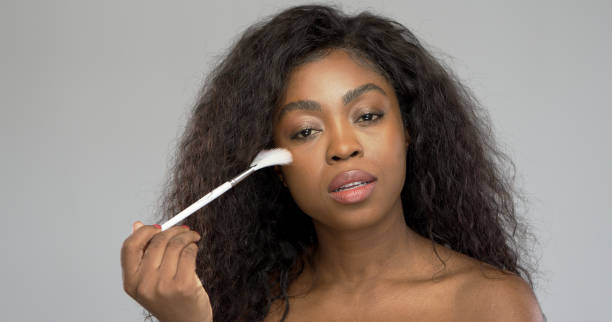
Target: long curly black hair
{"x":457,"y":191}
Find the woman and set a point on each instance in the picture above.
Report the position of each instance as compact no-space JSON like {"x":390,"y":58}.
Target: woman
{"x":394,"y":208}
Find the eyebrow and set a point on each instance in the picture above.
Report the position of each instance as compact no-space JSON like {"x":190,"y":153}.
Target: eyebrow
{"x":349,"y":96}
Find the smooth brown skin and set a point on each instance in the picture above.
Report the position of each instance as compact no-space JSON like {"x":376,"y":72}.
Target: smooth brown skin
{"x":159,"y":273}
{"x":370,"y":266}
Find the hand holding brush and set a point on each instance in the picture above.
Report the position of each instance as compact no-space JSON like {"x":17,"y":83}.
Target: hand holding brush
{"x":159,"y":262}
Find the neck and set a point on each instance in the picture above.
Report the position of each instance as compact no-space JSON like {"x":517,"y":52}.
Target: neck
{"x":359,"y":258}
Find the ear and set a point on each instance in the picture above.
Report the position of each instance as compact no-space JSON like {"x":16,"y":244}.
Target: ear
{"x":279,"y":172}
{"x":407,"y":135}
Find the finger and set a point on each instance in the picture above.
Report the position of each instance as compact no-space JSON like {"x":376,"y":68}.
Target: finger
{"x":136,"y":225}
{"x":187,"y":265}
{"x":154,"y":252}
{"x":176,"y":245}
{"x":133,"y":247}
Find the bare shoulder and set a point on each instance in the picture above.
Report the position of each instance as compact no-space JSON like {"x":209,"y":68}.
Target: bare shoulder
{"x":486,"y":293}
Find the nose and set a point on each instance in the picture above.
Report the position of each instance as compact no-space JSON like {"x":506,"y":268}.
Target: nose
{"x":343,"y":145}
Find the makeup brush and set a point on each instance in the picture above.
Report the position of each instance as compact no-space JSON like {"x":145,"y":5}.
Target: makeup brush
{"x":264,"y":158}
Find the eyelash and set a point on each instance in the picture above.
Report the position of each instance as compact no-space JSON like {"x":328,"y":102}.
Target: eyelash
{"x":297,"y":138}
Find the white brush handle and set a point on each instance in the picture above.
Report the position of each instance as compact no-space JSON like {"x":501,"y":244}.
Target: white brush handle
{"x":264,"y":159}
{"x":197,"y":205}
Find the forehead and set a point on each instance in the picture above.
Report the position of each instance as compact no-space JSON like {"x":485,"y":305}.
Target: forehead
{"x":337,"y":71}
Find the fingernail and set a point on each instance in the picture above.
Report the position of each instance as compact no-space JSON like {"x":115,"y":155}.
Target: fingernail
{"x":186,"y":226}
{"x":157,"y":226}
{"x":136,"y":225}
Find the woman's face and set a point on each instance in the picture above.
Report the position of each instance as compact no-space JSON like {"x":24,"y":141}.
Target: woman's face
{"x":339,"y":115}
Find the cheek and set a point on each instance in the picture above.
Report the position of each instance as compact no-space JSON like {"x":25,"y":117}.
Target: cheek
{"x":303,"y":175}
{"x":390,"y":155}
{"x":304,"y":178}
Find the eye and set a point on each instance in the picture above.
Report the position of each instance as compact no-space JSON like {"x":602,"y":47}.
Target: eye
{"x":303,"y":134}
{"x":370,"y":117}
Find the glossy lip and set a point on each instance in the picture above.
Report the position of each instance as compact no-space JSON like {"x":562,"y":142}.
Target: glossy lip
{"x":349,"y":176}
{"x":353,"y":195}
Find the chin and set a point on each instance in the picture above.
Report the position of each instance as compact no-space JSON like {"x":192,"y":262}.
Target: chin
{"x":351,"y":217}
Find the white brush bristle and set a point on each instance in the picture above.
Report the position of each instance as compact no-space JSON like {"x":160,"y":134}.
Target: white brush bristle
{"x":266,"y":158}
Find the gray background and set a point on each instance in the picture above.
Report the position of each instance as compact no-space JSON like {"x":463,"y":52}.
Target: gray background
{"x":94,"y":94}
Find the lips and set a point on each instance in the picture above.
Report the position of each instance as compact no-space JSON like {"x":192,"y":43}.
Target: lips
{"x":350,"y":176}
